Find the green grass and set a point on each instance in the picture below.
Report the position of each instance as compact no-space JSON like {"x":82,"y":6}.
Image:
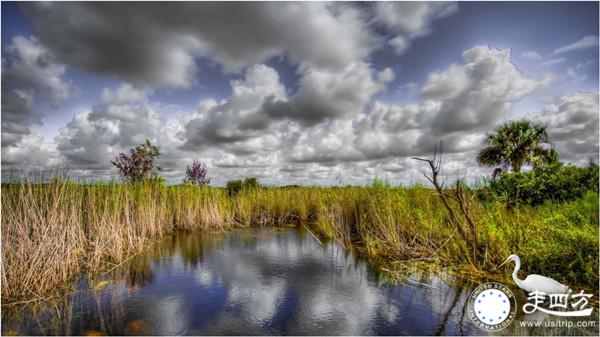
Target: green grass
{"x":52,"y":233}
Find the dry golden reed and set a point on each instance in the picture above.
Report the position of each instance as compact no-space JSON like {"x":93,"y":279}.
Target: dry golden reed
{"x":51,"y":233}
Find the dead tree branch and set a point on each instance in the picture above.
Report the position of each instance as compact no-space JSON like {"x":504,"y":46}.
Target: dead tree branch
{"x":459,"y":196}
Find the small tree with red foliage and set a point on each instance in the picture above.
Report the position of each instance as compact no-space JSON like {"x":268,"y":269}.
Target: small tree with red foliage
{"x":140,"y":164}
{"x":196,"y":174}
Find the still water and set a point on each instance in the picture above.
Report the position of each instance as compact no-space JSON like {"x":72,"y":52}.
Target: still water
{"x":252,"y":282}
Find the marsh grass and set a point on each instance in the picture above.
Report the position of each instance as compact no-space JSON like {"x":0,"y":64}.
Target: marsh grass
{"x":52,"y":233}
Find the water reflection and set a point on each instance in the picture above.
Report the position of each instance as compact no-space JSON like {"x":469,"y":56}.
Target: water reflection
{"x":252,"y":282}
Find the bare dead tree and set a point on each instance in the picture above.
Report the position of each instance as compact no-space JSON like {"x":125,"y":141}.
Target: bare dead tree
{"x":460,"y":197}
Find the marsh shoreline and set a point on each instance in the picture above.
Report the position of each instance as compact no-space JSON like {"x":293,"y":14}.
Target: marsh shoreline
{"x":53,"y":233}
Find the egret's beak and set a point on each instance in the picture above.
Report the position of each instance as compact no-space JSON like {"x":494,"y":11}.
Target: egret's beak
{"x":503,"y":263}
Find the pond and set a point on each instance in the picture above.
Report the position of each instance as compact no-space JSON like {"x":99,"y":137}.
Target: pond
{"x":269,"y":281}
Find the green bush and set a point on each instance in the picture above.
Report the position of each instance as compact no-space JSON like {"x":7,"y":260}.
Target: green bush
{"x":236,"y":186}
{"x":549,"y":182}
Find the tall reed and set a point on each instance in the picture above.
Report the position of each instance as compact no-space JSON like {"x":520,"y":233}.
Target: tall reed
{"x":53,"y":232}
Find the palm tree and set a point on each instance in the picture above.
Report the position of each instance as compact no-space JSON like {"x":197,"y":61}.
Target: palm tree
{"x":516,"y":143}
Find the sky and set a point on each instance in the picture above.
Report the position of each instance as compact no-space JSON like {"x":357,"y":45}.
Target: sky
{"x":293,"y":93}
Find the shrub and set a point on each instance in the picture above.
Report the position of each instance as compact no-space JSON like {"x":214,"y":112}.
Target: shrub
{"x":196,"y":174}
{"x":547,"y":182}
{"x":236,"y":186}
{"x":140,"y":164}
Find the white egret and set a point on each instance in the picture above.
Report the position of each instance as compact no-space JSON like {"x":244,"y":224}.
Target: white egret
{"x":535,"y":282}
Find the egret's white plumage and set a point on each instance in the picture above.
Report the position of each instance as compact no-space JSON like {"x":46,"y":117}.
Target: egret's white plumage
{"x":535,"y":282}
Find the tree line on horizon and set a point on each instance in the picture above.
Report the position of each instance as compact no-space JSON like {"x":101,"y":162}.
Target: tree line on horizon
{"x":507,"y":149}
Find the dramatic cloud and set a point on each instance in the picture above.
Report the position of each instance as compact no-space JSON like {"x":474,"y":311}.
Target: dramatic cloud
{"x":157,"y":43}
{"x":17,"y":115}
{"x":326,"y":143}
{"x":93,"y":138}
{"x":263,"y":131}
{"x":460,"y":104}
{"x":319,"y":93}
{"x":29,"y":73}
{"x":31,"y":152}
{"x":476,"y":95}
{"x":410,"y":20}
{"x":573,"y":126}
{"x":324,"y":94}
{"x":253,"y":118}
{"x":239,"y":118}
{"x":587,"y":42}
{"x":30,"y":65}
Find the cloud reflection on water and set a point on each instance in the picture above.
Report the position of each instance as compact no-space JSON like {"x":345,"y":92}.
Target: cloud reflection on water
{"x":263,"y":281}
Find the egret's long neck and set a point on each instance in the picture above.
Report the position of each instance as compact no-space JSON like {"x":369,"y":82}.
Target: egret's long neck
{"x":515,"y":275}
